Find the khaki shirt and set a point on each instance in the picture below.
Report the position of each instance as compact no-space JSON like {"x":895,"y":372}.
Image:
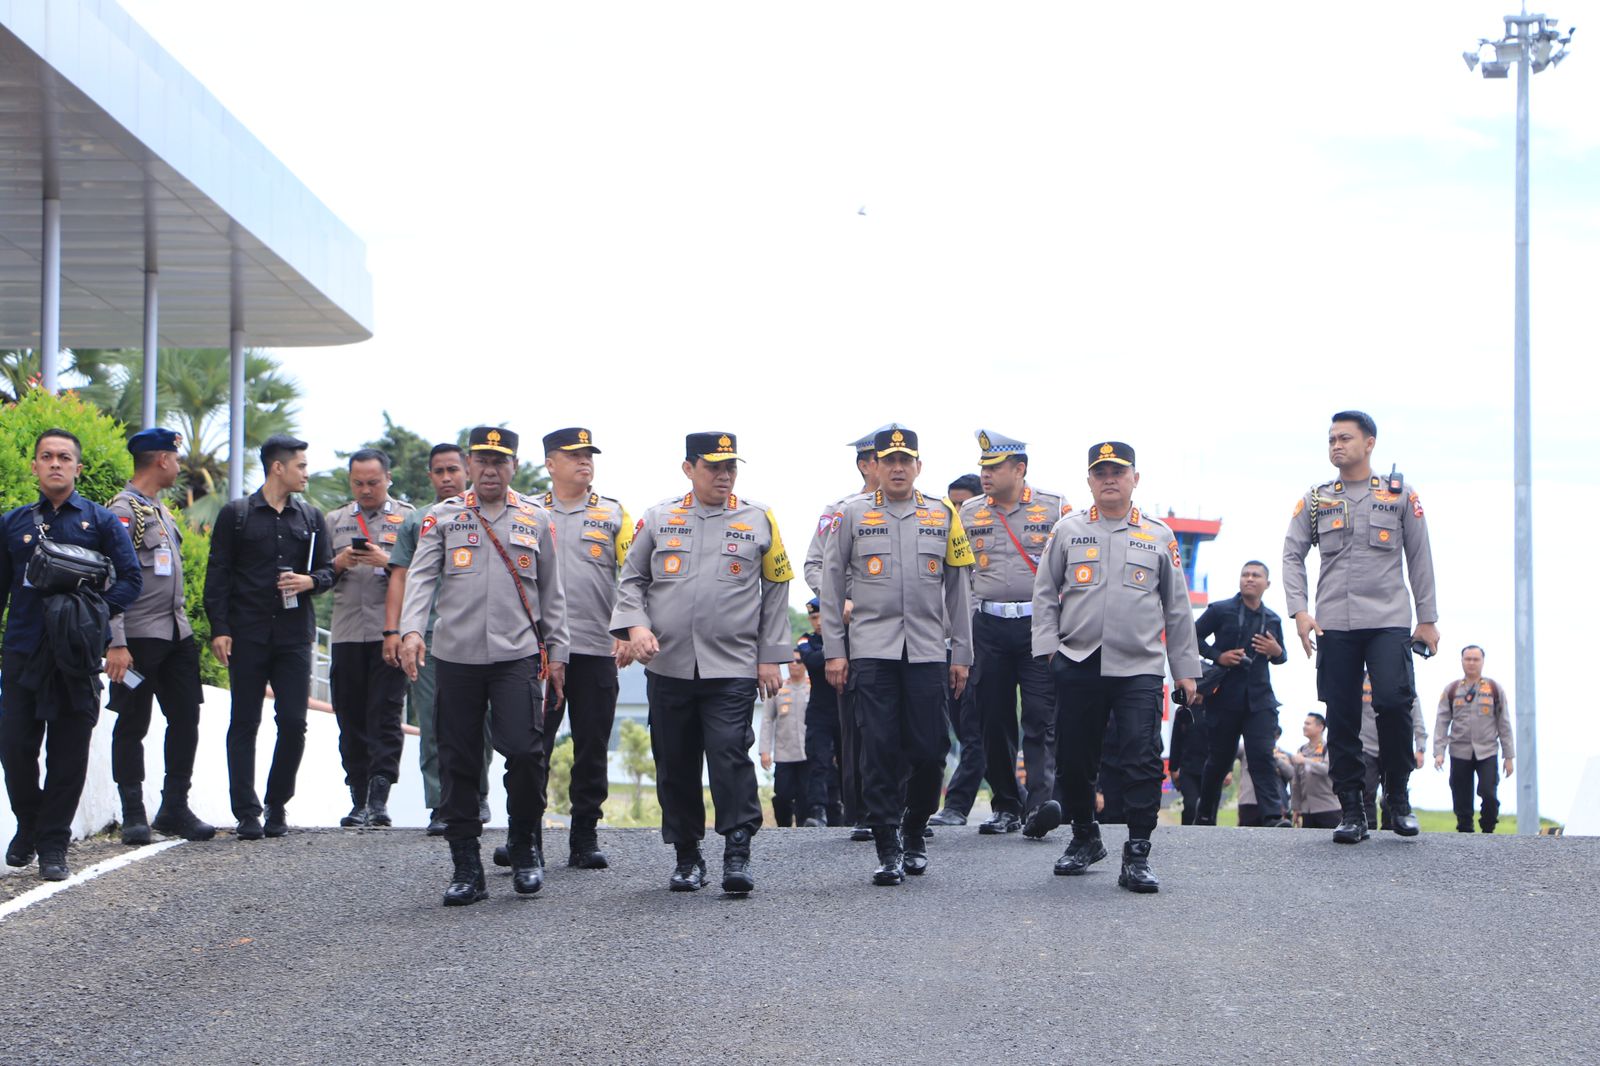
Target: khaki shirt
{"x":1115,"y":584}
{"x":1363,"y":531}
{"x":902,"y":563}
{"x":1473,"y":720}
{"x":482,"y":618}
{"x":712,"y":584}
{"x":359,"y":592}
{"x":813,"y":563}
{"x":592,"y":536}
{"x":1312,"y":791}
{"x":157,"y":536}
{"x":1002,"y":574}
{"x":1369,"y":723}
{"x":783,"y":723}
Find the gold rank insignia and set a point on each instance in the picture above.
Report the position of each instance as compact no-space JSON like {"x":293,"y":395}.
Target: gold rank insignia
{"x":741,"y":526}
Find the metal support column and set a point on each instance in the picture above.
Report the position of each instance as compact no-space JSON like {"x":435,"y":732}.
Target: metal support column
{"x":151,"y":308}
{"x":50,"y":297}
{"x":235,"y":413}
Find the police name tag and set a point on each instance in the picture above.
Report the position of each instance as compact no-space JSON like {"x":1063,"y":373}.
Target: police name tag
{"x":163,"y":562}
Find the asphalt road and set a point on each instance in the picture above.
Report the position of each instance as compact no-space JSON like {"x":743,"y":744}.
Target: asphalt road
{"x":1263,"y":946}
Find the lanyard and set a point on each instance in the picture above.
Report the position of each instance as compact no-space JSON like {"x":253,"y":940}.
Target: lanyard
{"x":516,"y":579}
{"x":1033,"y":566}
{"x":362,"y":522}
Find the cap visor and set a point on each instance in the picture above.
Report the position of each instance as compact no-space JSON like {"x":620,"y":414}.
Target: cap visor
{"x":1110,"y":459}
{"x":901,"y":450}
{"x":502,"y":449}
{"x":578,"y":448}
{"x":720,"y":457}
{"x":992,"y":460}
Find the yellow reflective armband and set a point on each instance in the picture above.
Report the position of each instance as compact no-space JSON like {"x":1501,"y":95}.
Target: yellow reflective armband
{"x":775,"y":562}
{"x":624,"y":537}
{"x":958,"y":550}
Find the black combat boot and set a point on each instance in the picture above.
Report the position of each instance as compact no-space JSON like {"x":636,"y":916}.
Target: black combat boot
{"x":736,"y":877}
{"x":135,"y":824}
{"x":175,"y":819}
{"x":583,"y":846}
{"x":1083,"y":850}
{"x":817,"y":818}
{"x":276,"y":823}
{"x":525,"y":848}
{"x":436,"y":823}
{"x":891,"y":856}
{"x":690,"y":873}
{"x":53,"y":865}
{"x":466,"y":883}
{"x":914,"y":847}
{"x":502,"y":856}
{"x":862,"y":832}
{"x":378,"y":802}
{"x":1044,"y":818}
{"x":1136,"y":875}
{"x":1000,"y":823}
{"x":1352,"y":828}
{"x":358,"y":809}
{"x":20,"y":851}
{"x":249,"y":828}
{"x":948,"y":816}
{"x":1397,"y":797}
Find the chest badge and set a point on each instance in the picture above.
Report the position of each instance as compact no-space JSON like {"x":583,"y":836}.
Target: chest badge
{"x":1083,"y":575}
{"x":524,"y":561}
{"x":875,"y":565}
{"x":462,"y":558}
{"x":595,"y":551}
{"x":472,"y":538}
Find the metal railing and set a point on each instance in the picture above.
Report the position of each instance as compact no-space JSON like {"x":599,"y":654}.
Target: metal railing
{"x":321,"y":664}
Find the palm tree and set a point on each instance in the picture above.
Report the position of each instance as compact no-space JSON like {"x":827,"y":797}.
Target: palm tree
{"x":20,"y":371}
{"x":197,"y":381}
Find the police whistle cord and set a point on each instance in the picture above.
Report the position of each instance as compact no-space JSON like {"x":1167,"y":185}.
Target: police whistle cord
{"x":1033,"y":566}
{"x":522,"y":593}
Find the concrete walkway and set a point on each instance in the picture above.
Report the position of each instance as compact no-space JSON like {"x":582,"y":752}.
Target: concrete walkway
{"x":1264,"y":946}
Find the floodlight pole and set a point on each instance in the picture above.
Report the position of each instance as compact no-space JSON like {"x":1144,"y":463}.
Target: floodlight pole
{"x":1522,"y":461}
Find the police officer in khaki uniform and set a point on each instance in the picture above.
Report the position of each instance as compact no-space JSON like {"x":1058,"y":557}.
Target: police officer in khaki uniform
{"x":1008,"y":527}
{"x":592,"y":534}
{"x":1311,"y":797}
{"x":1474,"y":720}
{"x":1362,"y":526}
{"x":899,"y":556}
{"x":703,"y":603}
{"x":823,"y":697}
{"x":1110,"y":583}
{"x":369,"y":694}
{"x":153,"y":638}
{"x":502,"y":614}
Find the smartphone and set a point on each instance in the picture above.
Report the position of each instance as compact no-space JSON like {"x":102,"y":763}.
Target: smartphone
{"x":1420,"y":649}
{"x":359,"y":543}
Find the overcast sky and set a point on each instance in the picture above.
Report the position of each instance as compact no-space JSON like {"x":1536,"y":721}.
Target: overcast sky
{"x":1198,"y":229}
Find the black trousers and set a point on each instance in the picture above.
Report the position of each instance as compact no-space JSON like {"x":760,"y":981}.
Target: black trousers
{"x":1384,"y":655}
{"x":1487,"y":773}
{"x":1369,"y":796}
{"x":171,"y":671}
{"x":1084,"y":702}
{"x":1250,"y":816}
{"x":1227,"y":724}
{"x":1189,"y":789}
{"x":703,"y":721}
{"x":900,"y":710}
{"x":65,"y":739}
{"x":1003,"y":650}
{"x":966,"y":722}
{"x":369,"y":700}
{"x":251,"y":666}
{"x":510,"y":696}
{"x":788,"y":792}
{"x":851,"y":779}
{"x":591,"y":706}
{"x":1319,"y":820}
{"x":822,"y":786}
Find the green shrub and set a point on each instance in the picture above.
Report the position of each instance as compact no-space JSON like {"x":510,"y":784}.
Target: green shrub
{"x":106,"y":462}
{"x":196,"y":552}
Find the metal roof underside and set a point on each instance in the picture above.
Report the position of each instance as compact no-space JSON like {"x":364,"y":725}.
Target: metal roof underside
{"x":151,"y":170}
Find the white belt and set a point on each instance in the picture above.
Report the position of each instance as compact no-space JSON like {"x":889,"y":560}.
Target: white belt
{"x":1007,"y":610}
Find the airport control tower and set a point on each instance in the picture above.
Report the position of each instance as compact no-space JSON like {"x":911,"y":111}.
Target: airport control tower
{"x":1193,"y":532}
